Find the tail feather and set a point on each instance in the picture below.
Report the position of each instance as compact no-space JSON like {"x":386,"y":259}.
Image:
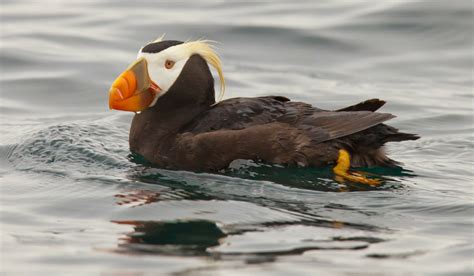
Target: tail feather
{"x":366,"y":146}
{"x":400,"y":136}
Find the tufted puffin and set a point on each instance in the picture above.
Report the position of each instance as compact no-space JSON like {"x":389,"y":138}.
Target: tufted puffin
{"x":179,"y":125}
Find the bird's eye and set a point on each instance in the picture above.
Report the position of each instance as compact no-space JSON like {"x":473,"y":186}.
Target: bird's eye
{"x":169,"y":64}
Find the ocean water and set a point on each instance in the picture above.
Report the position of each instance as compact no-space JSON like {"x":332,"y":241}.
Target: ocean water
{"x":74,"y":201}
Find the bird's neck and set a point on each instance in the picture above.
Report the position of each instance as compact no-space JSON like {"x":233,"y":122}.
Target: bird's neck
{"x":159,"y":127}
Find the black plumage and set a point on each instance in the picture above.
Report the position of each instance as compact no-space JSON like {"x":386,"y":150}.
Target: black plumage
{"x":187,"y":130}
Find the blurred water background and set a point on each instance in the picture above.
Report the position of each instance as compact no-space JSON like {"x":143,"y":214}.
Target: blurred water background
{"x":73,"y":200}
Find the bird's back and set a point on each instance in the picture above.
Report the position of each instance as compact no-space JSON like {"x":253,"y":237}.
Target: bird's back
{"x":315,"y":134}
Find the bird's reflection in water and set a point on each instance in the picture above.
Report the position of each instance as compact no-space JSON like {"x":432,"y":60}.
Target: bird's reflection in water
{"x":181,"y":238}
{"x":135,"y":198}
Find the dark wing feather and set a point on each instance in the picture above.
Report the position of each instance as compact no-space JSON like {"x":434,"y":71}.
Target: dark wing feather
{"x":369,"y":105}
{"x":320,"y":125}
{"x":323,"y":126}
{"x":239,"y":113}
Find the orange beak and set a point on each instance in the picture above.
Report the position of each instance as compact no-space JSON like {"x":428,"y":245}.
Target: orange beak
{"x":133,"y":90}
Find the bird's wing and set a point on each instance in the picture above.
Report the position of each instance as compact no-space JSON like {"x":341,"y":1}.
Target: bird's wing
{"x":320,"y":125}
{"x":240,"y":113}
{"x":328,"y":125}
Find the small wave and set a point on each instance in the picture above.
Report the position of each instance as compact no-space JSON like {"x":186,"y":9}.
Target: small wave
{"x":71,"y":148}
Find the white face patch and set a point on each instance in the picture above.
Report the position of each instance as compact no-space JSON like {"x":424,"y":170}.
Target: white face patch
{"x":161,"y":75}
{"x":179,"y":55}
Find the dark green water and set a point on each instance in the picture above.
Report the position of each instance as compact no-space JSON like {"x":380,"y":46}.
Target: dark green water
{"x":74,"y":201}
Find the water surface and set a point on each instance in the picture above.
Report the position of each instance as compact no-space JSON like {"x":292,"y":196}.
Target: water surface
{"x":73,"y":199}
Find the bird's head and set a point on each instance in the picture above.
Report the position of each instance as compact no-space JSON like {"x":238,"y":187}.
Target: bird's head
{"x":176,"y":69}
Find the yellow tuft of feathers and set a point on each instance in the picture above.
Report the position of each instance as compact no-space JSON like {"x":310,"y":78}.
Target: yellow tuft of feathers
{"x":159,"y":39}
{"x":205,"y":49}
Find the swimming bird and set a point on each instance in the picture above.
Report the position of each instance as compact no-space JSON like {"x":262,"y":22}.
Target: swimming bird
{"x":179,"y":125}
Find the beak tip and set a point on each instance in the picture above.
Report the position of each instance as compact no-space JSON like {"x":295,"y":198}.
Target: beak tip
{"x":110,"y":99}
